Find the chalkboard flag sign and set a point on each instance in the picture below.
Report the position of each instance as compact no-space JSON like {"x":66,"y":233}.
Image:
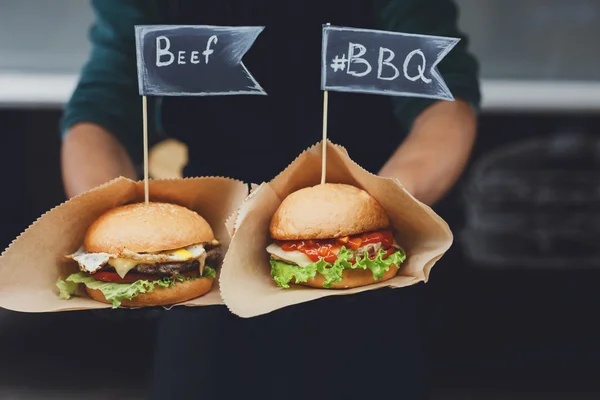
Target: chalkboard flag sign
{"x":381,"y":62}
{"x":387,"y":63}
{"x":192,"y":60}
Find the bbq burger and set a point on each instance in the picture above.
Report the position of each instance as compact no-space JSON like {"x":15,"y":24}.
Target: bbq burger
{"x":141,"y":255}
{"x":332,"y":236}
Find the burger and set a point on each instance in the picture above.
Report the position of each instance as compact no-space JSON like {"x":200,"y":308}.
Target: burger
{"x":332,"y":236}
{"x":143,"y":255}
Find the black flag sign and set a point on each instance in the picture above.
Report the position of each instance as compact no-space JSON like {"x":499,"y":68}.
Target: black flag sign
{"x":194,"y":60}
{"x":383,"y":62}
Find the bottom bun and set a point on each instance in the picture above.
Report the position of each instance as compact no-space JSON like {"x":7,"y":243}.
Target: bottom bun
{"x":162,"y":296}
{"x":352,"y":278}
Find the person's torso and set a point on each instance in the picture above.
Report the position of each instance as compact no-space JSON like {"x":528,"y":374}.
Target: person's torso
{"x":252,"y":137}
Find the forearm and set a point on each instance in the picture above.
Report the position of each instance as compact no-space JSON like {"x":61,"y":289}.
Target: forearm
{"x":91,"y":156}
{"x":431,"y":159}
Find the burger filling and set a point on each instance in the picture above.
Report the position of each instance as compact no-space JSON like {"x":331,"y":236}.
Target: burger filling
{"x":301,"y":260}
{"x":128,"y":274}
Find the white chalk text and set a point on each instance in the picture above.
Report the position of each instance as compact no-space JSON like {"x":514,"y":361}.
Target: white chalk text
{"x":165,"y":57}
{"x":354,"y":63}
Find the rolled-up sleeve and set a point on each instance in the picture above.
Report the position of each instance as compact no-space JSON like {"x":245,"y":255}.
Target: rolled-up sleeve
{"x":107,"y":91}
{"x":459,"y":69}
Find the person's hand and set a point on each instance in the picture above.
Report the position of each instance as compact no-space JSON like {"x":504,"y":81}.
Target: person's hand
{"x":92,"y":156}
{"x":435,"y":153}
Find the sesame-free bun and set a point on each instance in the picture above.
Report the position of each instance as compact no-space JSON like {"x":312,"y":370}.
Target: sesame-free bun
{"x":142,"y":227}
{"x":352,"y":278}
{"x":162,"y":296}
{"x":327,"y":211}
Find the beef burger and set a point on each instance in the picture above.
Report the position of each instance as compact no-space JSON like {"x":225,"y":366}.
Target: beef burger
{"x":141,"y":255}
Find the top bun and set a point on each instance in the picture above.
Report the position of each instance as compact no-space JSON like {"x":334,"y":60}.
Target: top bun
{"x":145,"y":228}
{"x":327,"y":211}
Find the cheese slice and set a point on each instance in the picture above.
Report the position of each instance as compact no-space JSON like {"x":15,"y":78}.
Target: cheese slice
{"x":296,"y":257}
{"x":122,"y":266}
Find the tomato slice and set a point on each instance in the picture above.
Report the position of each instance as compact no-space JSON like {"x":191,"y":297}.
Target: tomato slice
{"x":109,"y":276}
{"x":289,"y":246}
{"x":354,"y":243}
{"x":374,"y":237}
{"x":384,"y":237}
{"x":313,"y":254}
{"x":330,"y":258}
{"x":343,"y":240}
{"x":323,"y":251}
{"x":389,"y":252}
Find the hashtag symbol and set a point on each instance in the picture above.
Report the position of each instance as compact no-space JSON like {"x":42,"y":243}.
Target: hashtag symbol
{"x":338,"y":64}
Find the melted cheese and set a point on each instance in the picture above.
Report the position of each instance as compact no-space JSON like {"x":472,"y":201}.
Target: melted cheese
{"x":122,"y":266}
{"x":296,"y":257}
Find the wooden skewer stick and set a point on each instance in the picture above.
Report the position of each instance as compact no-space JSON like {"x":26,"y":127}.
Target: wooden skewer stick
{"x":145,"y":116}
{"x":324,"y":146}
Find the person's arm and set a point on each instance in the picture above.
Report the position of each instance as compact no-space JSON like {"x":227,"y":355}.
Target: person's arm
{"x":91,"y":156}
{"x":430,"y":160}
{"x":102,"y":123}
{"x":441,"y":133}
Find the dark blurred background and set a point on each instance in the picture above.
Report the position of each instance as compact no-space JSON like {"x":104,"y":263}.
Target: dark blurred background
{"x":510,"y":311}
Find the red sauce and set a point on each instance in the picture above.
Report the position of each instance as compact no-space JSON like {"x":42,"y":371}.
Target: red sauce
{"x":317,"y":249}
{"x":313,"y":249}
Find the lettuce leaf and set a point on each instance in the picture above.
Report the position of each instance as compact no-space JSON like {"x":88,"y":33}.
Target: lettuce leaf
{"x":209,"y":272}
{"x":66,"y":289}
{"x":117,"y":292}
{"x":283,"y":273}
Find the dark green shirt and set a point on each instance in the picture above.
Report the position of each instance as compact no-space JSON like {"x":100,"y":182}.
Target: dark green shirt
{"x":107,"y":92}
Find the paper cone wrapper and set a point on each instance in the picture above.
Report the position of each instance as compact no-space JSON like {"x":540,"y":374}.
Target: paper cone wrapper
{"x":246,"y":285}
{"x":234,"y":221}
{"x":31,"y":265}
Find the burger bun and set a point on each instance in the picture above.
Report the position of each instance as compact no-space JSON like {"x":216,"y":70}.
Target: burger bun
{"x":162,"y":296}
{"x":327,"y":211}
{"x":145,"y":228}
{"x":352,"y":278}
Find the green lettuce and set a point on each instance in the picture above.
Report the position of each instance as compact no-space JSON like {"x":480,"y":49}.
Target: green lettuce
{"x":117,"y":292}
{"x":283,"y":273}
{"x":209,"y":272}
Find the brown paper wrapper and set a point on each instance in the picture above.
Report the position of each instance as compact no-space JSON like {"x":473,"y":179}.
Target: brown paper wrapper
{"x":31,"y":265}
{"x":246,"y":285}
{"x":234,"y":222}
